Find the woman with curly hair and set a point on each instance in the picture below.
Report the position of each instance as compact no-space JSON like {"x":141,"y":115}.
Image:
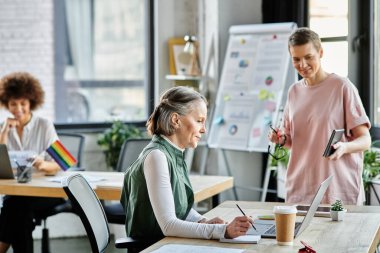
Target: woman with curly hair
{"x":21,"y":94}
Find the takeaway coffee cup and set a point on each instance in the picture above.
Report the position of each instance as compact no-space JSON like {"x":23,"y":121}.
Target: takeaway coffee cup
{"x":24,"y":173}
{"x":285,"y":217}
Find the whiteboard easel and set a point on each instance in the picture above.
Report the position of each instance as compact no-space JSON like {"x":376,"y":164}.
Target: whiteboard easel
{"x":256,"y":75}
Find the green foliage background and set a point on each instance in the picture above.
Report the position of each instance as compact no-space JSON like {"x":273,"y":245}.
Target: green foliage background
{"x":113,"y":138}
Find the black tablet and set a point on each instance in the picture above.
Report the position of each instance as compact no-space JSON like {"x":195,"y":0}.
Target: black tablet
{"x":336,"y":135}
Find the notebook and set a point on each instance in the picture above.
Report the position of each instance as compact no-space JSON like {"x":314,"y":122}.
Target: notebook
{"x":6,"y":171}
{"x":242,"y":239}
{"x":267,"y":228}
{"x":335,"y":137}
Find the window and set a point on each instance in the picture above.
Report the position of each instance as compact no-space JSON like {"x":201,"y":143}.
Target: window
{"x":330,"y":20}
{"x":102,"y":61}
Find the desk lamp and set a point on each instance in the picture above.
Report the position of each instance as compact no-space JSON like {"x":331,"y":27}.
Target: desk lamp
{"x":191,"y":47}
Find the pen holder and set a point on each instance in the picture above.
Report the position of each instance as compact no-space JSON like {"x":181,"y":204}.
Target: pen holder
{"x":24,"y":174}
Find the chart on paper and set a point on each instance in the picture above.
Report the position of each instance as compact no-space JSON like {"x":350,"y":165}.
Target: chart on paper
{"x":253,"y":86}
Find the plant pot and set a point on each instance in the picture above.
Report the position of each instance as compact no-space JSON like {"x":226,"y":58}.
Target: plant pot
{"x":337,"y":215}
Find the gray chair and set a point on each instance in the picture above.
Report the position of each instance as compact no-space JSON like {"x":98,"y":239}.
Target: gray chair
{"x":130,"y":151}
{"x":88,"y":207}
{"x":74,"y":143}
{"x":90,"y":211}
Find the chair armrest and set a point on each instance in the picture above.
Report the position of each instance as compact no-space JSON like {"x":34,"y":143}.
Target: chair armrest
{"x":125,"y":242}
{"x":128,"y":242}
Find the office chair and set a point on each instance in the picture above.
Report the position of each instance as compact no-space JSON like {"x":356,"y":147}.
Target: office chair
{"x":74,"y":143}
{"x":129,"y":152}
{"x":90,"y":211}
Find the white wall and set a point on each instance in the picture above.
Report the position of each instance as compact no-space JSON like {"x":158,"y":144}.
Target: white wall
{"x":26,"y":44}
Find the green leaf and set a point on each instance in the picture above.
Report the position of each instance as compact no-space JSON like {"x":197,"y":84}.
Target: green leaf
{"x":371,"y":165}
{"x":113,"y":138}
{"x":337,"y":205}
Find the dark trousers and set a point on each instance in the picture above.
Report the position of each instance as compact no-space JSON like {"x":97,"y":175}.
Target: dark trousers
{"x":16,"y":220}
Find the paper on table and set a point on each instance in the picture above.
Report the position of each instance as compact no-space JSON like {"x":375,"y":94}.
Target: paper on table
{"x":242,"y":239}
{"x":22,"y":157}
{"x":90,"y":179}
{"x":182,"y":248}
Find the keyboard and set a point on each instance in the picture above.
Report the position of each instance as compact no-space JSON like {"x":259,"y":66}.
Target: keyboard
{"x":272,"y":229}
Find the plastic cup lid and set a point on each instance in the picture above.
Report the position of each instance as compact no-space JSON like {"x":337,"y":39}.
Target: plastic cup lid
{"x":285,"y":209}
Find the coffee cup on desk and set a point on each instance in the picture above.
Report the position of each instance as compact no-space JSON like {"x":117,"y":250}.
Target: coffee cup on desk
{"x":24,"y":173}
{"x":285,"y":217}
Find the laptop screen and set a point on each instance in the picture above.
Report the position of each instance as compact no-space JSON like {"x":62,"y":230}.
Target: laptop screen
{"x":314,"y":205}
{"x":6,"y":171}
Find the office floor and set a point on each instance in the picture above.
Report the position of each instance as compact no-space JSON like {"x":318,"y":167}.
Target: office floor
{"x":72,"y":245}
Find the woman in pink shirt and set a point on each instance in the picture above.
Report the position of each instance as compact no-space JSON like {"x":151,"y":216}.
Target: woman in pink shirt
{"x":317,"y":104}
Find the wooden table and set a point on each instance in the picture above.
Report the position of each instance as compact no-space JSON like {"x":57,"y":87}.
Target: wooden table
{"x":108,"y":189}
{"x":359,"y":232}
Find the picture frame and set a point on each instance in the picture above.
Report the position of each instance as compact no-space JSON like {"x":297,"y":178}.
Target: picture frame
{"x":180,"y":62}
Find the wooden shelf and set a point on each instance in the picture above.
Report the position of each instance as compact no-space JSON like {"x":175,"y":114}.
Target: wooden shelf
{"x":183,"y":78}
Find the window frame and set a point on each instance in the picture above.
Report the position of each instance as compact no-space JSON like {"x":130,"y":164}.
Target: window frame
{"x":332,"y":39}
{"x":362,"y":56}
{"x":60,"y":35}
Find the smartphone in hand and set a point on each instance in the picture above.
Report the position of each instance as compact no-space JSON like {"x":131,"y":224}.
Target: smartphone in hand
{"x":335,"y":137}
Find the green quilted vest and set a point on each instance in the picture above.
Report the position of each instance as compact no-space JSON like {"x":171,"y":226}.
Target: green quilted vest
{"x":140,"y":219}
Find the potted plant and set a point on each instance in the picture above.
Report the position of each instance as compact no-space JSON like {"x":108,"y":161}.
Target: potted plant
{"x":337,"y":210}
{"x":371,"y":167}
{"x":113,"y":138}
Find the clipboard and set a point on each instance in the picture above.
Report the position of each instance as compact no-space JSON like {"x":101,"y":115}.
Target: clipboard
{"x":335,"y":137}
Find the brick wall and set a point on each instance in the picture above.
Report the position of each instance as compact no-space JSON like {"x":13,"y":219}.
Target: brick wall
{"x":27,"y":44}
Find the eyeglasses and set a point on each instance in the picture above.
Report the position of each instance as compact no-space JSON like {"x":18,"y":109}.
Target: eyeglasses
{"x":279,"y":151}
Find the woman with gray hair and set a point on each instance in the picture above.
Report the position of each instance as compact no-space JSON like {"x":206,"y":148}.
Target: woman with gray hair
{"x":157,"y":194}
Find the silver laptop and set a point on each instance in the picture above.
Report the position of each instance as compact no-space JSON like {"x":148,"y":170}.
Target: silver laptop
{"x":6,"y":171}
{"x":267,"y":228}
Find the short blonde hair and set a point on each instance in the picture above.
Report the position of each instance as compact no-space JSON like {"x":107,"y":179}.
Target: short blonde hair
{"x":304,"y":35}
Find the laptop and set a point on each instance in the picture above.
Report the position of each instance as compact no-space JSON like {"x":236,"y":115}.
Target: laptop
{"x":6,"y":171}
{"x":267,"y":228}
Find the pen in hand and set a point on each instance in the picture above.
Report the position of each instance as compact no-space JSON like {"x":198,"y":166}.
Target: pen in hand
{"x":245,"y":215}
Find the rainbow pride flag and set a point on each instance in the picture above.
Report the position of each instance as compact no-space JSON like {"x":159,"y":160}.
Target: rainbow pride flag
{"x":61,"y":155}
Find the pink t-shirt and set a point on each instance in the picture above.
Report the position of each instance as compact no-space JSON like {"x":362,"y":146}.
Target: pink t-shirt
{"x":310,"y":116}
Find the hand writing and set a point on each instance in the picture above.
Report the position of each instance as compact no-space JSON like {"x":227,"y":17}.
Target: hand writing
{"x":239,"y":226}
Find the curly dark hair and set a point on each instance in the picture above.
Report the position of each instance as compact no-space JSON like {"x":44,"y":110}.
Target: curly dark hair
{"x":21,"y":85}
